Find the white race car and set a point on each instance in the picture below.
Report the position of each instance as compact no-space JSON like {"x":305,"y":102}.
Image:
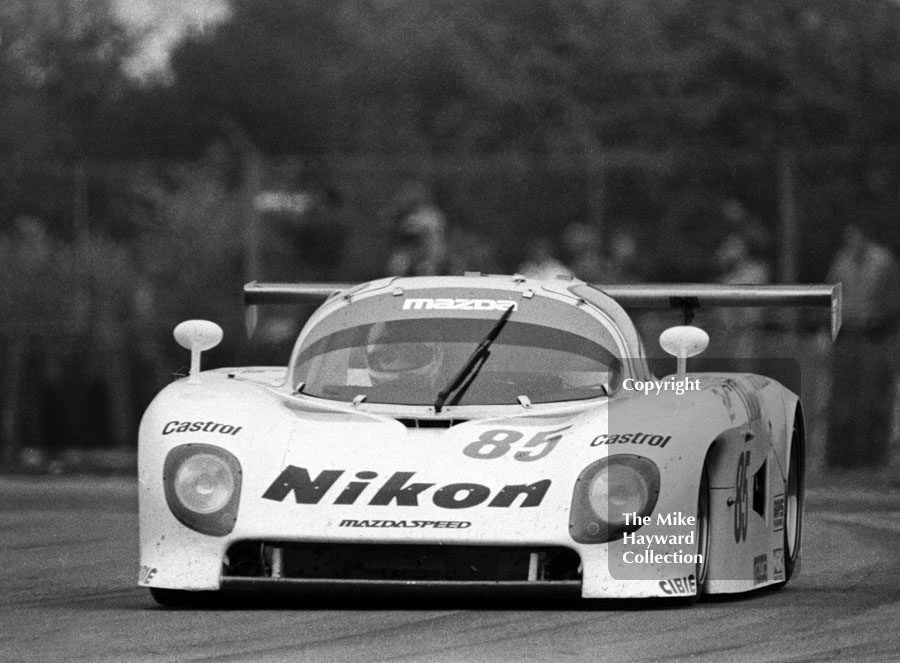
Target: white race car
{"x":475,"y":432}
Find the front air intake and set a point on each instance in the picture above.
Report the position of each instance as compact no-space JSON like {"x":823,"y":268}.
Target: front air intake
{"x":402,"y":562}
{"x":430,"y":423}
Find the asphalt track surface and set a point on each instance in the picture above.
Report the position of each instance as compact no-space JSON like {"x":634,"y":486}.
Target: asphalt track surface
{"x":68,"y":570}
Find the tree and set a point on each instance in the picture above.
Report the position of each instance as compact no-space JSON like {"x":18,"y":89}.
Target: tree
{"x":62,"y":59}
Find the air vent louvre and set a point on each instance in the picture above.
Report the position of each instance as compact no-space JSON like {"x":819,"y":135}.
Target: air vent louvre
{"x":411,"y":422}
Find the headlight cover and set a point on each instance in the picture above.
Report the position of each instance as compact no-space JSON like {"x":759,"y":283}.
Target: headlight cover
{"x":608,"y":489}
{"x":203,"y":487}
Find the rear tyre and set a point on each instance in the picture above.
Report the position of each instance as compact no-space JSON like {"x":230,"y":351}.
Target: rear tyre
{"x":702,"y":533}
{"x":793,"y":507}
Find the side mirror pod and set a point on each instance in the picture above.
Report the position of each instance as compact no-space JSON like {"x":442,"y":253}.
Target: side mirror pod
{"x":197,"y":336}
{"x":682,"y":342}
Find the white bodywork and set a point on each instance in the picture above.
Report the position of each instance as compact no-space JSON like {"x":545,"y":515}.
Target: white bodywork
{"x":313,"y":470}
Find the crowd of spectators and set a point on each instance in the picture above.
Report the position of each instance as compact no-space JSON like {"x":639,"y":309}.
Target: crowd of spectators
{"x":862,"y":402}
{"x":862,"y":413}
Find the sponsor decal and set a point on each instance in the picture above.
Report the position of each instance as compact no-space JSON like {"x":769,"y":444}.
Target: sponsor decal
{"x":747,"y":396}
{"x":778,"y":564}
{"x":760,"y":569}
{"x":725,"y":395}
{"x":447,"y":304}
{"x":757,"y":381}
{"x":679,"y":586}
{"x":744,"y":391}
{"x":146,"y":574}
{"x":778,"y":513}
{"x":398,"y":489}
{"x":632,"y":438}
{"x":435,"y":524}
{"x":200,"y":427}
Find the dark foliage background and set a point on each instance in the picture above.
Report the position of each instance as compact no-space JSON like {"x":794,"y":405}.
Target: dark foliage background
{"x":125,"y":204}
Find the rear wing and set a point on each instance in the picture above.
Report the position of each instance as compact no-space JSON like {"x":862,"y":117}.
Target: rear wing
{"x":691,"y":296}
{"x":687,"y":297}
{"x":291,"y":293}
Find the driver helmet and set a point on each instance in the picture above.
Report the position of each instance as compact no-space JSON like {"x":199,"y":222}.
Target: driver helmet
{"x":389,"y":358}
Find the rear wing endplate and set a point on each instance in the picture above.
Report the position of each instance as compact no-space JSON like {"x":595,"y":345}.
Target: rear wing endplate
{"x":684,"y":296}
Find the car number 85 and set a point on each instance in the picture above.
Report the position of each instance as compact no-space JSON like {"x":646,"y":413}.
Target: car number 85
{"x":493,"y":444}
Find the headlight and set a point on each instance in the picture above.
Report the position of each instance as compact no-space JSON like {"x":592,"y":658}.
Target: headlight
{"x":618,"y":489}
{"x":202,"y":485}
{"x":607,"y":491}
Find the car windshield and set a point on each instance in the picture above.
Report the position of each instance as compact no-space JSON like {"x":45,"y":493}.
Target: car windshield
{"x":408,"y":360}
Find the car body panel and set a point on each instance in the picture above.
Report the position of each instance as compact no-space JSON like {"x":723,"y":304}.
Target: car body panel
{"x":319,"y":470}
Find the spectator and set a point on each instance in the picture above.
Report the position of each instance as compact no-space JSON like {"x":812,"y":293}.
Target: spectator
{"x":420,"y":229}
{"x":471,"y":251}
{"x":582,"y":246}
{"x":622,"y":260}
{"x":738,"y":220}
{"x":540,"y":261}
{"x":738,"y":266}
{"x":590,"y":261}
{"x":863,"y":370}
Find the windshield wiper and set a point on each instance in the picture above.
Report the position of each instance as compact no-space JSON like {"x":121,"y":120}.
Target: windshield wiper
{"x":469,"y":370}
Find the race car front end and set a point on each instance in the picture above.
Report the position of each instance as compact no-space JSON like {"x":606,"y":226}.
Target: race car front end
{"x":243,"y":488}
{"x":391,"y":504}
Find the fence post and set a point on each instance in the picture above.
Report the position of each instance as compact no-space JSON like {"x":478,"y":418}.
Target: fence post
{"x":787,"y":215}
{"x":10,"y":419}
